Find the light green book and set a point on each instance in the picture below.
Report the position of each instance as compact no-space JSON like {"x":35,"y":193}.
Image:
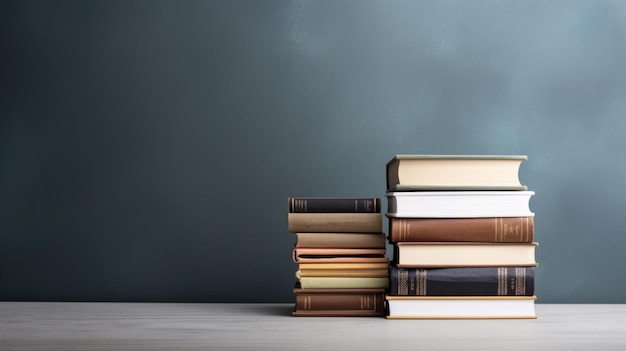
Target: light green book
{"x":344,"y":282}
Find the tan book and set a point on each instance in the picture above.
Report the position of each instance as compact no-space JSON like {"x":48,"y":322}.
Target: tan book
{"x":448,"y":172}
{"x":461,"y":307}
{"x":342,"y":273}
{"x":335,"y":222}
{"x":341,"y":240}
{"x":464,"y":254}
{"x":322,"y":255}
{"x":491,"y":229}
{"x":342,"y":266}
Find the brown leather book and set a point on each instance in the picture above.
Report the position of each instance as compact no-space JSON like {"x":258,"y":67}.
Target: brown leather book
{"x":338,"y":302}
{"x":324,"y":255}
{"x":497,"y":230}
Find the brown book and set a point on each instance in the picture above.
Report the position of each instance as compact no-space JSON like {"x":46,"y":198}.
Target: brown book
{"x":321,"y":255}
{"x":335,"y":222}
{"x":495,"y":229}
{"x":341,"y":240}
{"x":338,"y":302}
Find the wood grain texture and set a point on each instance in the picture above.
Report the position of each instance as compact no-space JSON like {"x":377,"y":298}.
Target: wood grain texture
{"x":156,"y":326}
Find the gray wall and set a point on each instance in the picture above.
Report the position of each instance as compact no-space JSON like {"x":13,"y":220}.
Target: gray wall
{"x":147,"y":148}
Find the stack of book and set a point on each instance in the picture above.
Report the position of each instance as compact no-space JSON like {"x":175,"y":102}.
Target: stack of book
{"x":340,"y":251}
{"x":463,"y":238}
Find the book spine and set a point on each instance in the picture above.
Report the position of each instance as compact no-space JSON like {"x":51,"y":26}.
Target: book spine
{"x":373,"y":302}
{"x":491,"y":281}
{"x":494,"y":229}
{"x":334,"y":205}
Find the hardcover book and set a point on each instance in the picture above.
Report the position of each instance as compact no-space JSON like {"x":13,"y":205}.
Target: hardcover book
{"x":338,"y":302}
{"x":462,"y":281}
{"x":335,"y":222}
{"x":333,"y":204}
{"x":320,"y":255}
{"x":459,"y":204}
{"x":454,"y":172}
{"x":344,"y":282}
{"x":461,"y":307}
{"x":486,"y":229}
{"x":341,"y":240}
{"x":464,"y":254}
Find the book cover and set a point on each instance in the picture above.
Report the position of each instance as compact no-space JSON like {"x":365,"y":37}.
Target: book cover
{"x":489,"y":229}
{"x":454,"y":172}
{"x":461,"y":307}
{"x":462,"y":281}
{"x":333,"y":204}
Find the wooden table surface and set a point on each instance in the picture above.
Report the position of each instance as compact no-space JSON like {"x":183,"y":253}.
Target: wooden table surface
{"x":167,"y":326}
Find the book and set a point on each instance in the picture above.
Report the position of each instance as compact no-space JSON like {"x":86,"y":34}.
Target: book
{"x":341,"y":240}
{"x":335,"y":222}
{"x":459,"y":204}
{"x":454,"y":172}
{"x":486,"y":229}
{"x":342,"y":266}
{"x":464,"y":254}
{"x":338,"y":302}
{"x":344,"y":282}
{"x":343,"y":273}
{"x":462,"y":281}
{"x":329,"y":255}
{"x":460,"y":307}
{"x":333,"y":204}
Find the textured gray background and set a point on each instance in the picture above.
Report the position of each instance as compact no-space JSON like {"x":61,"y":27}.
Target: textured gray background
{"x":147,"y":148}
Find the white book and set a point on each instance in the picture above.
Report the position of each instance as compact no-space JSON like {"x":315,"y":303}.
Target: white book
{"x":460,"y":307}
{"x":459,"y":204}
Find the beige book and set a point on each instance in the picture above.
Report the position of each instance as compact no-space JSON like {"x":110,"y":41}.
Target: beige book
{"x":342,"y":273}
{"x":448,"y":172}
{"x":341,"y":240}
{"x":344,"y":282}
{"x":354,"y":265}
{"x":465,"y":254}
{"x":335,"y":222}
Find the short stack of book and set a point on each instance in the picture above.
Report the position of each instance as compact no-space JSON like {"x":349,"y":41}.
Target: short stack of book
{"x":463,"y":238}
{"x":340,"y":251}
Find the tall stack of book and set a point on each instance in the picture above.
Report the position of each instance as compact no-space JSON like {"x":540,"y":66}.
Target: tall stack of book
{"x":340,"y":251}
{"x":463,"y":238}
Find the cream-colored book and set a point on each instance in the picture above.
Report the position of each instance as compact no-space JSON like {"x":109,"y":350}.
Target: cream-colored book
{"x":348,"y":265}
{"x":450,"y":172}
{"x":461,"y":307}
{"x":464,"y":254}
{"x":344,"y":282}
{"x":342,"y":273}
